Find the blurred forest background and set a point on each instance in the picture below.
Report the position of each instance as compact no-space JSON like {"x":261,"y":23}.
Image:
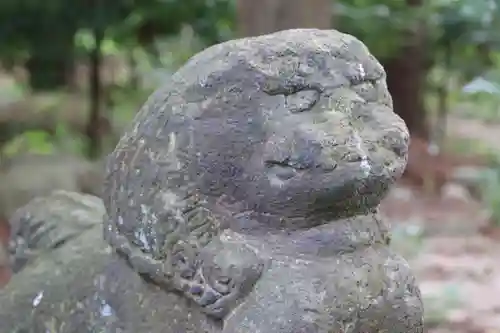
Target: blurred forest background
{"x":73,"y":74}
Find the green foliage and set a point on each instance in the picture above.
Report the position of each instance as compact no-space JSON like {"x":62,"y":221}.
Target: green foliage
{"x":66,"y":141}
{"x":453,"y":29}
{"x":41,"y":142}
{"x":461,"y":35}
{"x":10,"y":90}
{"x":128,"y":101}
{"x":379,"y":24}
{"x":464,"y":146}
{"x":31,"y":141}
{"x":211,"y":19}
{"x":491,"y":193}
{"x":85,"y":41}
{"x":175,"y":51}
{"x":54,"y":28}
{"x":465,"y":33}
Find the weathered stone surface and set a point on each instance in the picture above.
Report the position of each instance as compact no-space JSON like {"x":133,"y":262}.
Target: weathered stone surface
{"x":252,"y":143}
{"x":49,"y":222}
{"x":244,"y":198}
{"x":80,"y":286}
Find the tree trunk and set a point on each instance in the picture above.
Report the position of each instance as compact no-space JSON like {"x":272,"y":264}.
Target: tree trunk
{"x":94,"y":126}
{"x":406,"y":79}
{"x":49,"y":66}
{"x":5,"y":271}
{"x":260,"y":17}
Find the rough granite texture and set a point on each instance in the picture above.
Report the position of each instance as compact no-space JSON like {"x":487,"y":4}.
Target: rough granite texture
{"x":42,"y":225}
{"x":243,"y":198}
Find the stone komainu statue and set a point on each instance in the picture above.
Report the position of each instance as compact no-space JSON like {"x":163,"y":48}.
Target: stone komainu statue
{"x":243,"y":198}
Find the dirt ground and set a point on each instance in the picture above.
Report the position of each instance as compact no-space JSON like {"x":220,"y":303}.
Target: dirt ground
{"x":456,"y":265}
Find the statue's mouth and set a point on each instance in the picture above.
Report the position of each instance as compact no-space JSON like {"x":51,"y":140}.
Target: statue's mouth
{"x":289,"y":168}
{"x":289,"y":163}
